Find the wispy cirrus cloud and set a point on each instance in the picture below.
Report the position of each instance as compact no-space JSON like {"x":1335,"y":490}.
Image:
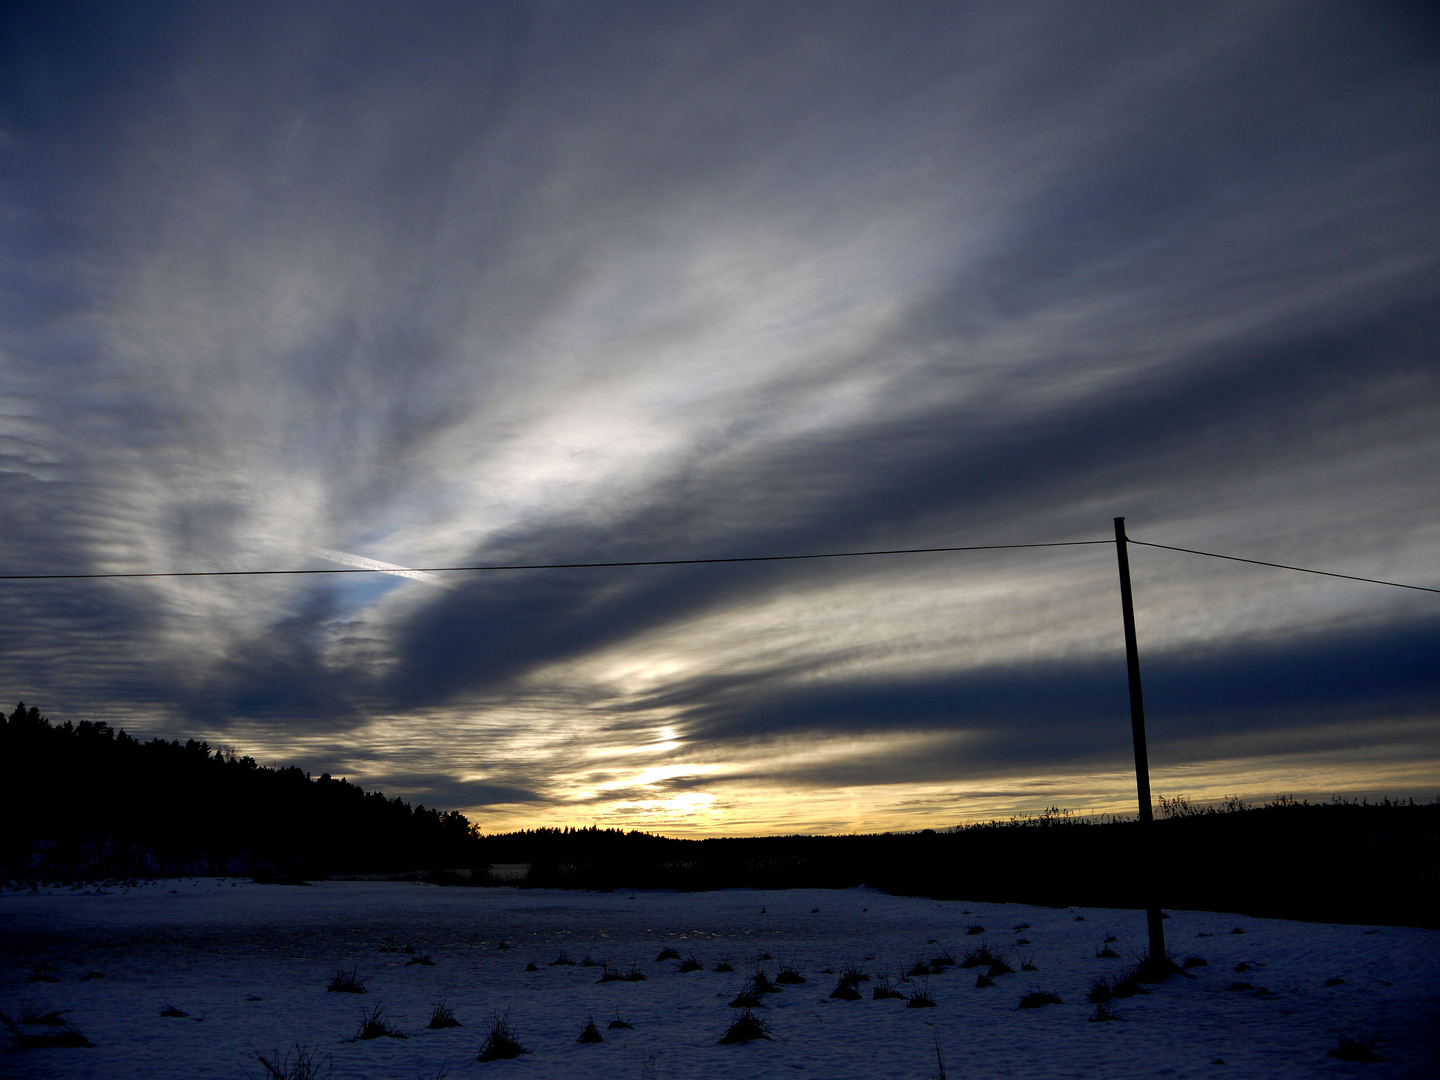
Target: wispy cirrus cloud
{"x":539,"y":283}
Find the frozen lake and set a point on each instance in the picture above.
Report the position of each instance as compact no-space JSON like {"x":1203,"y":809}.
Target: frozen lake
{"x":250,"y":965}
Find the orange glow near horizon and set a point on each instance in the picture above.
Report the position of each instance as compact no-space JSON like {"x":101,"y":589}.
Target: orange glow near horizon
{"x":911,"y":807}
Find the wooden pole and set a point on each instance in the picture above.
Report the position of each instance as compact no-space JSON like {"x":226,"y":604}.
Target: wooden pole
{"x":1142,"y":757}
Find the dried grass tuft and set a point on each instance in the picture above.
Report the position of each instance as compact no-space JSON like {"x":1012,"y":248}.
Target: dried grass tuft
{"x":789,"y":974}
{"x":33,"y":1013}
{"x":347,"y":982}
{"x":1104,"y":1013}
{"x":884,"y":990}
{"x":502,"y":1042}
{"x":303,"y":1065}
{"x":442,"y":1016}
{"x":1360,"y":1049}
{"x":375,"y":1025}
{"x":747,"y":1027}
{"x":1036,"y":999}
{"x":921,"y":998}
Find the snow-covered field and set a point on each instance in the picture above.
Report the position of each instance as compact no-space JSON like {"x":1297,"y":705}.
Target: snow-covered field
{"x":250,"y":965}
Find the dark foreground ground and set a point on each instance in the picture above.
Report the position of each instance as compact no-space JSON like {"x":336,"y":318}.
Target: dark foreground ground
{"x":191,"y":979}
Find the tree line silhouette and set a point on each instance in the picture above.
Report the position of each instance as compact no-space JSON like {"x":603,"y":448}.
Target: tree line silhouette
{"x":1342,"y":861}
{"x":87,"y":801}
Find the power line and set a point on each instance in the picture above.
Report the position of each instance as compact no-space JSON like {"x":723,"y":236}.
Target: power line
{"x":693,"y":562}
{"x":1284,"y":566}
{"x":546,"y":566}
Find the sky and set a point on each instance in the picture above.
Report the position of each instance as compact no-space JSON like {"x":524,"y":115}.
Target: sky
{"x":424,"y":285}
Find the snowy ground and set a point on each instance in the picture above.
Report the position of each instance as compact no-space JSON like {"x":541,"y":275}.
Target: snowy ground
{"x":250,"y":964}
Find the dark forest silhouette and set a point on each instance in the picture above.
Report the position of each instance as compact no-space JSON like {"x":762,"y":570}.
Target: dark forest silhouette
{"x":87,"y":802}
{"x":1335,"y":862}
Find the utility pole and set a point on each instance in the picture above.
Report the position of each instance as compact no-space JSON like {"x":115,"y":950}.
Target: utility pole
{"x":1142,"y":757}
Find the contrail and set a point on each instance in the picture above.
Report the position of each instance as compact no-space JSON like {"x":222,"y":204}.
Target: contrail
{"x":346,"y":559}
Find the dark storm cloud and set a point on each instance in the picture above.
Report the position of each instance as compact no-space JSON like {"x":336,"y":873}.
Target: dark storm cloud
{"x":439,"y":792}
{"x":280,"y":674}
{"x":534,"y":282}
{"x":1298,"y":393}
{"x":1049,"y":713}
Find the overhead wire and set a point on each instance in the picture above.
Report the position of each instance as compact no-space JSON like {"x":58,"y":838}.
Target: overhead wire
{"x":491,"y":567}
{"x":544,"y":566}
{"x":1286,"y":566}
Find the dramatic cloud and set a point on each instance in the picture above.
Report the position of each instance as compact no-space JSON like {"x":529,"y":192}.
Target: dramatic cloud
{"x":384,"y":287}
